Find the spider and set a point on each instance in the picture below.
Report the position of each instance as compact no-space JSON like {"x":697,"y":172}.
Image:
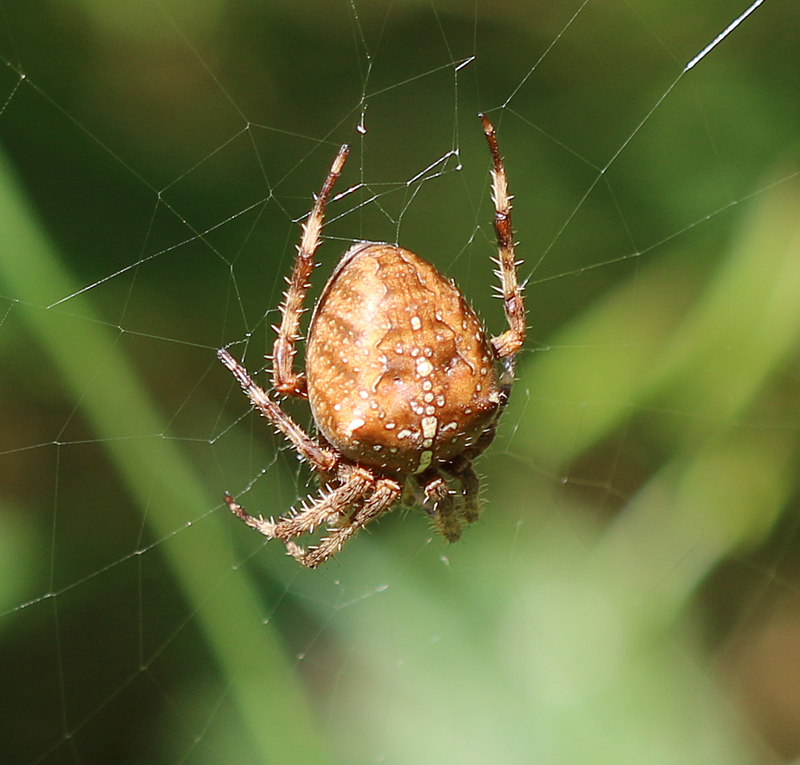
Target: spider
{"x":400,"y":377}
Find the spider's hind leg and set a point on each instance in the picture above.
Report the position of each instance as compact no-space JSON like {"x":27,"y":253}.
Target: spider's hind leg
{"x":328,"y":505}
{"x":385,"y":494}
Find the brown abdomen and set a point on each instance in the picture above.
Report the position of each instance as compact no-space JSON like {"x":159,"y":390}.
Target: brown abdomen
{"x":400,"y":372}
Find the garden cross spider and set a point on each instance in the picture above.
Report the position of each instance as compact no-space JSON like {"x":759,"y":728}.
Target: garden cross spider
{"x":400,"y":377}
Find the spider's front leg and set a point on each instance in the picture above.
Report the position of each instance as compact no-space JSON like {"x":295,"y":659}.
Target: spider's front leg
{"x":507,"y":344}
{"x":284,"y":379}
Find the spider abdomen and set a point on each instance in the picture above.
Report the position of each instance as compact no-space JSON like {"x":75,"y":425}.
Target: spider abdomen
{"x":400,"y":372}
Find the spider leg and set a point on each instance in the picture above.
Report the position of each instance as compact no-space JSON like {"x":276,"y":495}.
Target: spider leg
{"x":440,"y":505}
{"x":328,"y":504}
{"x":461,"y":469}
{"x":284,"y":379}
{"x":321,"y":459}
{"x":507,"y":344}
{"x":386,"y":492}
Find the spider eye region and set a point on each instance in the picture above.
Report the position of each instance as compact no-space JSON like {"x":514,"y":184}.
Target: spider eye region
{"x":401,"y":375}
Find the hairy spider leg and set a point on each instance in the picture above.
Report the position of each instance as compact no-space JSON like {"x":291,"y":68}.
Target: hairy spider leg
{"x":386,"y":492}
{"x":440,"y":505}
{"x":461,"y":469}
{"x":329,"y":504}
{"x":284,"y":379}
{"x":507,"y":344}
{"x":322,"y":459}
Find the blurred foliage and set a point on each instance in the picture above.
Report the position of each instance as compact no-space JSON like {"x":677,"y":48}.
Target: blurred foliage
{"x":631,"y":592}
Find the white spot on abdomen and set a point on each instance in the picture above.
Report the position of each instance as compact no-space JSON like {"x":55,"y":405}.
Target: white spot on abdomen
{"x":355,"y":424}
{"x":424,"y":367}
{"x":425,"y":460}
{"x":428,"y":429}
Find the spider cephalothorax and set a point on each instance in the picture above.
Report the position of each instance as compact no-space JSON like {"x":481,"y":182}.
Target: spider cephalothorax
{"x":401,"y":378}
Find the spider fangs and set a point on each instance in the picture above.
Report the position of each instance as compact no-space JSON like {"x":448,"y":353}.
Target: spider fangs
{"x":400,"y":376}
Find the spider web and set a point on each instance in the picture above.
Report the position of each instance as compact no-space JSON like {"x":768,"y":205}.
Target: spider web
{"x":631,"y":592}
